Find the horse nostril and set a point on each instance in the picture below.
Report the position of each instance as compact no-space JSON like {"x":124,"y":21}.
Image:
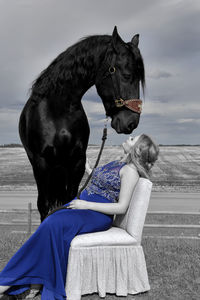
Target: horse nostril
{"x":131,"y":126}
{"x":116,"y":124}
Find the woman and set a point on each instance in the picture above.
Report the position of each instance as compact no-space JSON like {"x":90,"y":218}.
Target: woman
{"x":41,"y":263}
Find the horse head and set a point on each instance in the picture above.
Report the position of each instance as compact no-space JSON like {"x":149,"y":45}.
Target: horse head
{"x":118,"y":83}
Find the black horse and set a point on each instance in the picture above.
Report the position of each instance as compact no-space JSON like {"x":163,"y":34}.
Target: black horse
{"x":53,"y":125}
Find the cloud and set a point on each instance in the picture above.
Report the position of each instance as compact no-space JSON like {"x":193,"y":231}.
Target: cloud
{"x":92,"y":107}
{"x":175,"y":109}
{"x":157,"y":74}
{"x":186,"y":121}
{"x":9,"y":119}
{"x":34,"y":32}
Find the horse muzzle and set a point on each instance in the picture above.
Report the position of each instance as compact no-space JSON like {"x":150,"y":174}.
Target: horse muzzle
{"x":125,"y":121}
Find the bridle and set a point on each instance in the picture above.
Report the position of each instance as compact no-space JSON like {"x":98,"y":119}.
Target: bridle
{"x":110,"y":70}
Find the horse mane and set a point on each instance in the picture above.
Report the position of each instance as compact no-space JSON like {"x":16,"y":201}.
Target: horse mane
{"x":73,"y":63}
{"x":140,"y":71}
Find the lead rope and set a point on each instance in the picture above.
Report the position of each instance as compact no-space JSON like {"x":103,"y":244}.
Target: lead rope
{"x":104,"y":137}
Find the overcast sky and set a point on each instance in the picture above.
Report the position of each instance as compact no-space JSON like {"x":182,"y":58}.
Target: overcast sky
{"x":34,"y":32}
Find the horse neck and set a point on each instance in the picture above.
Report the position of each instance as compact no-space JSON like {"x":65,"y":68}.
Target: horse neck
{"x":72,"y":73}
{"x":88,"y":62}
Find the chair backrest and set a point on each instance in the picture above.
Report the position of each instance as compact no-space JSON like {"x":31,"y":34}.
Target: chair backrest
{"x":133,"y":220}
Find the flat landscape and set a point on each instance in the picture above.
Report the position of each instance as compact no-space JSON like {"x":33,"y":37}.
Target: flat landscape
{"x":177,"y":169}
{"x":171,"y":236}
{"x":175,"y":177}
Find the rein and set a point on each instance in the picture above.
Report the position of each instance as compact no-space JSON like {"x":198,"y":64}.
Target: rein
{"x":106,"y":70}
{"x":104,"y":137}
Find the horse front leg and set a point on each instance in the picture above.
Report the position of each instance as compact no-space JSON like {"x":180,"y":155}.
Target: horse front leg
{"x":42,"y":204}
{"x":76,"y":175}
{"x":44,"y":194}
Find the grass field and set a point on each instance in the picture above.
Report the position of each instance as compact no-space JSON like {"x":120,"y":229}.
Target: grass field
{"x":177,"y":169}
{"x":172,"y":259}
{"x":173,"y":267}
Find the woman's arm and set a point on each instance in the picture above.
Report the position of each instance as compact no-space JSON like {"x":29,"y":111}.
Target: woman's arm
{"x":129,"y":178}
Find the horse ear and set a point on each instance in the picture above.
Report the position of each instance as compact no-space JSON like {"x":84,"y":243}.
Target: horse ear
{"x":135,"y":40}
{"x":117,"y":40}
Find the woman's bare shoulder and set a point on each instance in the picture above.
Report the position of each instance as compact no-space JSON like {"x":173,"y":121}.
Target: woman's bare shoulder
{"x":129,"y":170}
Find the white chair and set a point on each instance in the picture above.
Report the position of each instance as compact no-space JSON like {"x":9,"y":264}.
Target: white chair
{"x":112,"y":261}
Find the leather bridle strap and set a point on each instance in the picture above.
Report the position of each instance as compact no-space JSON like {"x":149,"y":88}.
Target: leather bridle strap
{"x":132,"y":104}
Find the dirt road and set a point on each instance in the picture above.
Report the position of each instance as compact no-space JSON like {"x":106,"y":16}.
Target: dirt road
{"x":160,"y":201}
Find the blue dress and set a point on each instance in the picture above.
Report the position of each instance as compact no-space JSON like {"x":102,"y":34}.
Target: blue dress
{"x":43,"y":257}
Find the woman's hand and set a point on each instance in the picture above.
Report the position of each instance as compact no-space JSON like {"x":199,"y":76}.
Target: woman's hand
{"x":78,"y":204}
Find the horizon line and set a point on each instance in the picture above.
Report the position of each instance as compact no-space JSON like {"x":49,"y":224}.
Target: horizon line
{"x":15,"y":145}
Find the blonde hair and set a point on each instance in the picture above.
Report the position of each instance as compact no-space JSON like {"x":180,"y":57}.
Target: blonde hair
{"x":143,"y":155}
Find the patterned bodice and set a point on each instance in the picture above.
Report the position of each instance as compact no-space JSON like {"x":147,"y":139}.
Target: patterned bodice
{"x":106,"y":181}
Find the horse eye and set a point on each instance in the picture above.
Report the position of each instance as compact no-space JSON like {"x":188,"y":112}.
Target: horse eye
{"x":112,"y":70}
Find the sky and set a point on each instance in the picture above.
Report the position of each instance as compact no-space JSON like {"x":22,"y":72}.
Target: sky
{"x":34,"y":32}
